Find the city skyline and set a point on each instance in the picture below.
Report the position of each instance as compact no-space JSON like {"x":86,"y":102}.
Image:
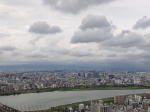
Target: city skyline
{"x":87,"y":34}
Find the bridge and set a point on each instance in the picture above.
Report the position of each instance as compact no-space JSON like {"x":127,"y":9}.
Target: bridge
{"x":4,"y":108}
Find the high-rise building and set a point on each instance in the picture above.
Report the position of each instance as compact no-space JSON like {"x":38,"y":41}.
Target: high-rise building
{"x":148,"y":109}
{"x":147,"y":95}
{"x":119,"y":99}
{"x":81,"y":107}
{"x":94,"y":107}
{"x":99,"y":107}
{"x":134,"y":104}
{"x":52,"y":109}
{"x":101,"y":102}
{"x":145,"y":104}
{"x":70,"y":109}
{"x":104,"y":108}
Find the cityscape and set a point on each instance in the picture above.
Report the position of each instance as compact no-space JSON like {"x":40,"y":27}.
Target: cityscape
{"x":58,"y":79}
{"x":74,"y":55}
{"x":131,"y":103}
{"x":66,"y":80}
{"x":118,"y":103}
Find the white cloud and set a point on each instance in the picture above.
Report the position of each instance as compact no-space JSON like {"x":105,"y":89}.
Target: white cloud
{"x":7,"y":48}
{"x":93,"y":37}
{"x":94,"y":28}
{"x":94,"y":21}
{"x":44,"y":28}
{"x":88,"y":36}
{"x":73,"y":6}
{"x":125,"y":39}
{"x":142,"y":23}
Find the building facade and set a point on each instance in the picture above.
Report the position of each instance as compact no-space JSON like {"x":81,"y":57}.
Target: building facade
{"x":119,"y":100}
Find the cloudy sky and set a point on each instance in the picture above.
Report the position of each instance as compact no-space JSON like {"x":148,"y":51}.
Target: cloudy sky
{"x":98,"y":33}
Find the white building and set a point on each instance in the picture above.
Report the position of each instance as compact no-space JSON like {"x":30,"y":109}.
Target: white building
{"x":99,"y":107}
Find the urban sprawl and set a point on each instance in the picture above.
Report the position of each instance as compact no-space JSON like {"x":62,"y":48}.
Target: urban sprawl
{"x":14,"y":81}
{"x":121,"y":103}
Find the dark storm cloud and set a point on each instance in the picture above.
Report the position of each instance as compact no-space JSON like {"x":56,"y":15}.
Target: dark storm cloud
{"x":125,"y":39}
{"x":73,"y":6}
{"x":94,"y":21}
{"x":44,"y":28}
{"x":93,"y":29}
{"x":142,"y":23}
{"x":7,"y":48}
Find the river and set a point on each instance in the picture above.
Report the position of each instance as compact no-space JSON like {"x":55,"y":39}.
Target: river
{"x":38,"y":101}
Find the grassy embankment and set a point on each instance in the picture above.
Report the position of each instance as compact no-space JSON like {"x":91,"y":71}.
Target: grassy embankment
{"x":100,"y":87}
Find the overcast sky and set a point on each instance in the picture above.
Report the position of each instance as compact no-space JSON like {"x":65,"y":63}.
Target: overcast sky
{"x":101,"y":32}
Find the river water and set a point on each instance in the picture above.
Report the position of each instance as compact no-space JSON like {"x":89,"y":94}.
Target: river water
{"x":38,"y":101}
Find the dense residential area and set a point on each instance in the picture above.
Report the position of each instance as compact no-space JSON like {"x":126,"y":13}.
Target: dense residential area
{"x":118,"y":103}
{"x":14,"y":81}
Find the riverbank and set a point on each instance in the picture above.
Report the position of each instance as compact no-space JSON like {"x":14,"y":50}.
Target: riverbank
{"x":43,"y":101}
{"x":59,"y":108}
{"x":78,"y":88}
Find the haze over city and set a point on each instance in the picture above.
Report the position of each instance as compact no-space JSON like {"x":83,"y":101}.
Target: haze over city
{"x":74,"y":56}
{"x":75,"y":34}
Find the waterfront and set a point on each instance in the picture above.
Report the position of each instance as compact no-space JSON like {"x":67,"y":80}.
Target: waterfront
{"x":38,"y":101}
